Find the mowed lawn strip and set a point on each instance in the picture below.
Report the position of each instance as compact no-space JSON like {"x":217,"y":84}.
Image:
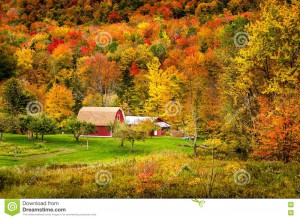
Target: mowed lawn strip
{"x":63,"y":149}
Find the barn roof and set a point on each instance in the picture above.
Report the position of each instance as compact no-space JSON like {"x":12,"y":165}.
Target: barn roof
{"x":131,"y":120}
{"x":99,"y":116}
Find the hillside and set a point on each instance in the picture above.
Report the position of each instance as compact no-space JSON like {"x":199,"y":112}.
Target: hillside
{"x":226,"y":70}
{"x":93,"y":12}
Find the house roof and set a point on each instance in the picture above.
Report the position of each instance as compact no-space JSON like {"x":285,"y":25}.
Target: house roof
{"x":163,"y":125}
{"x":132,"y":120}
{"x":99,"y":116}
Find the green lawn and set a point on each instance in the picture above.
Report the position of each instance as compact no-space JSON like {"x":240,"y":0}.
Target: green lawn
{"x":63,"y":149}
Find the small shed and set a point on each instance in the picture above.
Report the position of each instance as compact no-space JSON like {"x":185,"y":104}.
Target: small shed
{"x":102,"y":118}
{"x":132,"y":120}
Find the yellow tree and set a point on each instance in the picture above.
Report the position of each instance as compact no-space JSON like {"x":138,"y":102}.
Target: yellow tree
{"x":25,"y":59}
{"x":165,"y":88}
{"x":61,"y":63}
{"x":157,"y":86}
{"x":195,"y":83}
{"x":173,"y":96}
{"x":59,"y":103}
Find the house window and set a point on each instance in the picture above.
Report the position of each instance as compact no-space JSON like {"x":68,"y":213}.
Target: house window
{"x":118,"y":117}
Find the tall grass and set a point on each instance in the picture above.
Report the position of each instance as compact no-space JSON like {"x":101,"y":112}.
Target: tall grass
{"x":166,"y":174}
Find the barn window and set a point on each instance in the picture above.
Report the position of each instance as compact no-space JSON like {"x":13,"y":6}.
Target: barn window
{"x":118,"y":117}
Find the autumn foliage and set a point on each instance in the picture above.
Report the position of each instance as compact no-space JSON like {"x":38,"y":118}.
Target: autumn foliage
{"x":278,"y":128}
{"x":55,"y":43}
{"x":179,"y":60}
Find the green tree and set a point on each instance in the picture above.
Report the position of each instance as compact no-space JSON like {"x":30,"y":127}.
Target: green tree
{"x":148,"y":126}
{"x":118,"y":132}
{"x":8,"y":124}
{"x":15,"y":97}
{"x":8,"y":65}
{"x":42,"y":125}
{"x":24,"y":122}
{"x":3,"y":124}
{"x":129,"y":133}
{"x":159,"y":51}
{"x":78,"y":128}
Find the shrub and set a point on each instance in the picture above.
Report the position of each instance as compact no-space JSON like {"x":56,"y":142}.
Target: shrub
{"x":7,"y":178}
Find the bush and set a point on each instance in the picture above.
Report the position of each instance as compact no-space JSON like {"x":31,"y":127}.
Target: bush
{"x":7,"y":179}
{"x":232,"y":149}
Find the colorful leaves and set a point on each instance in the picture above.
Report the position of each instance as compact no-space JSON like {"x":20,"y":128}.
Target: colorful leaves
{"x":114,"y":17}
{"x":84,"y":50}
{"x":278,"y":128}
{"x":134,"y":70}
{"x":55,"y":43}
{"x":59,"y":103}
{"x":25,"y":58}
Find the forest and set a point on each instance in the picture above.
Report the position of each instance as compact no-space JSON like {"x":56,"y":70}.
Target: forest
{"x":226,"y":71}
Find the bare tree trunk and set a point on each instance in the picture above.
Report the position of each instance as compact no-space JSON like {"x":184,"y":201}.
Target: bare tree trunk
{"x":132,"y":143}
{"x":212,"y":172}
{"x":195,"y":138}
{"x":1,"y":135}
{"x":102,"y":99}
{"x":54,"y":71}
{"x":195,"y":117}
{"x":29,"y":134}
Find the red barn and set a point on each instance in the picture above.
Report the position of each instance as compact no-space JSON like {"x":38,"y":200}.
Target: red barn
{"x":102,"y":117}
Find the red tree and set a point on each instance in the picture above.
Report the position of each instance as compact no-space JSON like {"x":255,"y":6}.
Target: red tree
{"x":278,"y":129}
{"x":114,"y":17}
{"x":134,"y":70}
{"x":55,"y":43}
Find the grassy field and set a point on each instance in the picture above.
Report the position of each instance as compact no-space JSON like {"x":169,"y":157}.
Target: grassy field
{"x":63,"y":149}
{"x":157,"y":168}
{"x":160,"y":175}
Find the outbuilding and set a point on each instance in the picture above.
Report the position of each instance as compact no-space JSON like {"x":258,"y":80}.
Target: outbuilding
{"x":163,"y":126}
{"x":102,"y":118}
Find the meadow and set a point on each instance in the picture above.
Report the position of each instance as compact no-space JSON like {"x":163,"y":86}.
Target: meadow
{"x":157,"y":168}
{"x":63,"y":149}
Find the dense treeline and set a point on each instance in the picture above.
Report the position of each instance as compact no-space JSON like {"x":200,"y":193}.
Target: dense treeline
{"x":189,"y":62}
{"x":78,"y":12}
